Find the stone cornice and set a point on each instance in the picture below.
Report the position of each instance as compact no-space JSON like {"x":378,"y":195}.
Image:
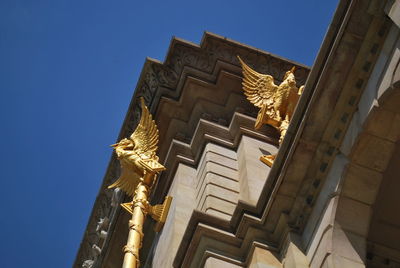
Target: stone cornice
{"x":336,"y":82}
{"x":167,"y":79}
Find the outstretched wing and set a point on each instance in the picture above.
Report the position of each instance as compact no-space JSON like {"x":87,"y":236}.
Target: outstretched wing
{"x":145,"y":136}
{"x":258,"y":88}
{"x":128,"y":180}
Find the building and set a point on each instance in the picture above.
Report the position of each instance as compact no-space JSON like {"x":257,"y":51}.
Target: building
{"x":329,"y":200}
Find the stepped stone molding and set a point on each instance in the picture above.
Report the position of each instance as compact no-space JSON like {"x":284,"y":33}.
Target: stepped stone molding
{"x":313,"y":140}
{"x":167,"y":79}
{"x":206,"y":134}
{"x":217,"y":185}
{"x":219,"y":164}
{"x":210,"y":131}
{"x":210,"y":187}
{"x":191,"y":189}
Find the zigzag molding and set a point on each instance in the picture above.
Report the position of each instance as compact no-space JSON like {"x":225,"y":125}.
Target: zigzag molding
{"x":207,"y":131}
{"x":157,"y":80}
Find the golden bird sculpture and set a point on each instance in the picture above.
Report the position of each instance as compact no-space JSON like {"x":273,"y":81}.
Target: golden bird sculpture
{"x":137,"y":154}
{"x":276,"y":102}
{"x":139,"y":168}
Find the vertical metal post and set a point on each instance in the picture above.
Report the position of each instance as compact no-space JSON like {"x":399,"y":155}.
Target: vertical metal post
{"x":139,"y":211}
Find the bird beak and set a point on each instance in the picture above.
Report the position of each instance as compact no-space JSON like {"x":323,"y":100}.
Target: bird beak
{"x":293,"y":69}
{"x":114,"y":145}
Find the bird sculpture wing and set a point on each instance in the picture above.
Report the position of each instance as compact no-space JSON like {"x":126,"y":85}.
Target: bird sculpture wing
{"x":128,"y":180}
{"x":258,"y":88}
{"x":145,"y":136}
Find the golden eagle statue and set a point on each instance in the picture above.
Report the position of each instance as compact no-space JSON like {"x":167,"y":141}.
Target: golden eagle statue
{"x":137,"y":155}
{"x":276,"y":103}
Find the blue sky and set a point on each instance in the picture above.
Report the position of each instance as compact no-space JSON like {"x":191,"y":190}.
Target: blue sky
{"x":67,"y":73}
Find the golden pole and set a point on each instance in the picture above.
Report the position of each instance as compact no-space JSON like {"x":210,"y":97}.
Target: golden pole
{"x":139,"y":212}
{"x":139,"y":208}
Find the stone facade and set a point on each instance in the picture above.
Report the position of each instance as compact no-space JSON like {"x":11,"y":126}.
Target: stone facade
{"x":330,"y":198}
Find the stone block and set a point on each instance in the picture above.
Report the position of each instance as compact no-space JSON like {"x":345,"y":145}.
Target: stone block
{"x":263,"y":258}
{"x":218,"y":214}
{"x":373,"y":152}
{"x":219,"y":170}
{"x":361,"y":184}
{"x":384,"y":123}
{"x":336,"y":261}
{"x":179,"y":214}
{"x":218,"y":204}
{"x":295,"y":258}
{"x":212,"y":262}
{"x":221,"y":181}
{"x":252,"y":172}
{"x":222,"y":193}
{"x":353,"y":216}
{"x":348,"y":245}
{"x":220,"y":150}
{"x":391,"y":101}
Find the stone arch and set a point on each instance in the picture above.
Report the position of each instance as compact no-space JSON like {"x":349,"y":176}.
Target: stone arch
{"x":373,"y":163}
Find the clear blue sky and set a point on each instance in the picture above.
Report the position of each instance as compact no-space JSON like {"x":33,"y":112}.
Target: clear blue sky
{"x":67,"y":74}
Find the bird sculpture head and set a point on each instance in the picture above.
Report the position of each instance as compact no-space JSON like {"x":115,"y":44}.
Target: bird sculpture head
{"x":289,"y":77}
{"x":125,"y":144}
{"x":289,"y":74}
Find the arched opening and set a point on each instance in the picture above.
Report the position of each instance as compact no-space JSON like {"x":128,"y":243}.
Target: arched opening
{"x":366,"y":231}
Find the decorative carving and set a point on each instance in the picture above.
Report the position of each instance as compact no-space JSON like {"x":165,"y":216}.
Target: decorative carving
{"x":103,"y":234}
{"x":88,"y":264}
{"x":115,"y":197}
{"x":96,"y":250}
{"x":164,"y":75}
{"x":276,"y":103}
{"x":102,"y":224}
